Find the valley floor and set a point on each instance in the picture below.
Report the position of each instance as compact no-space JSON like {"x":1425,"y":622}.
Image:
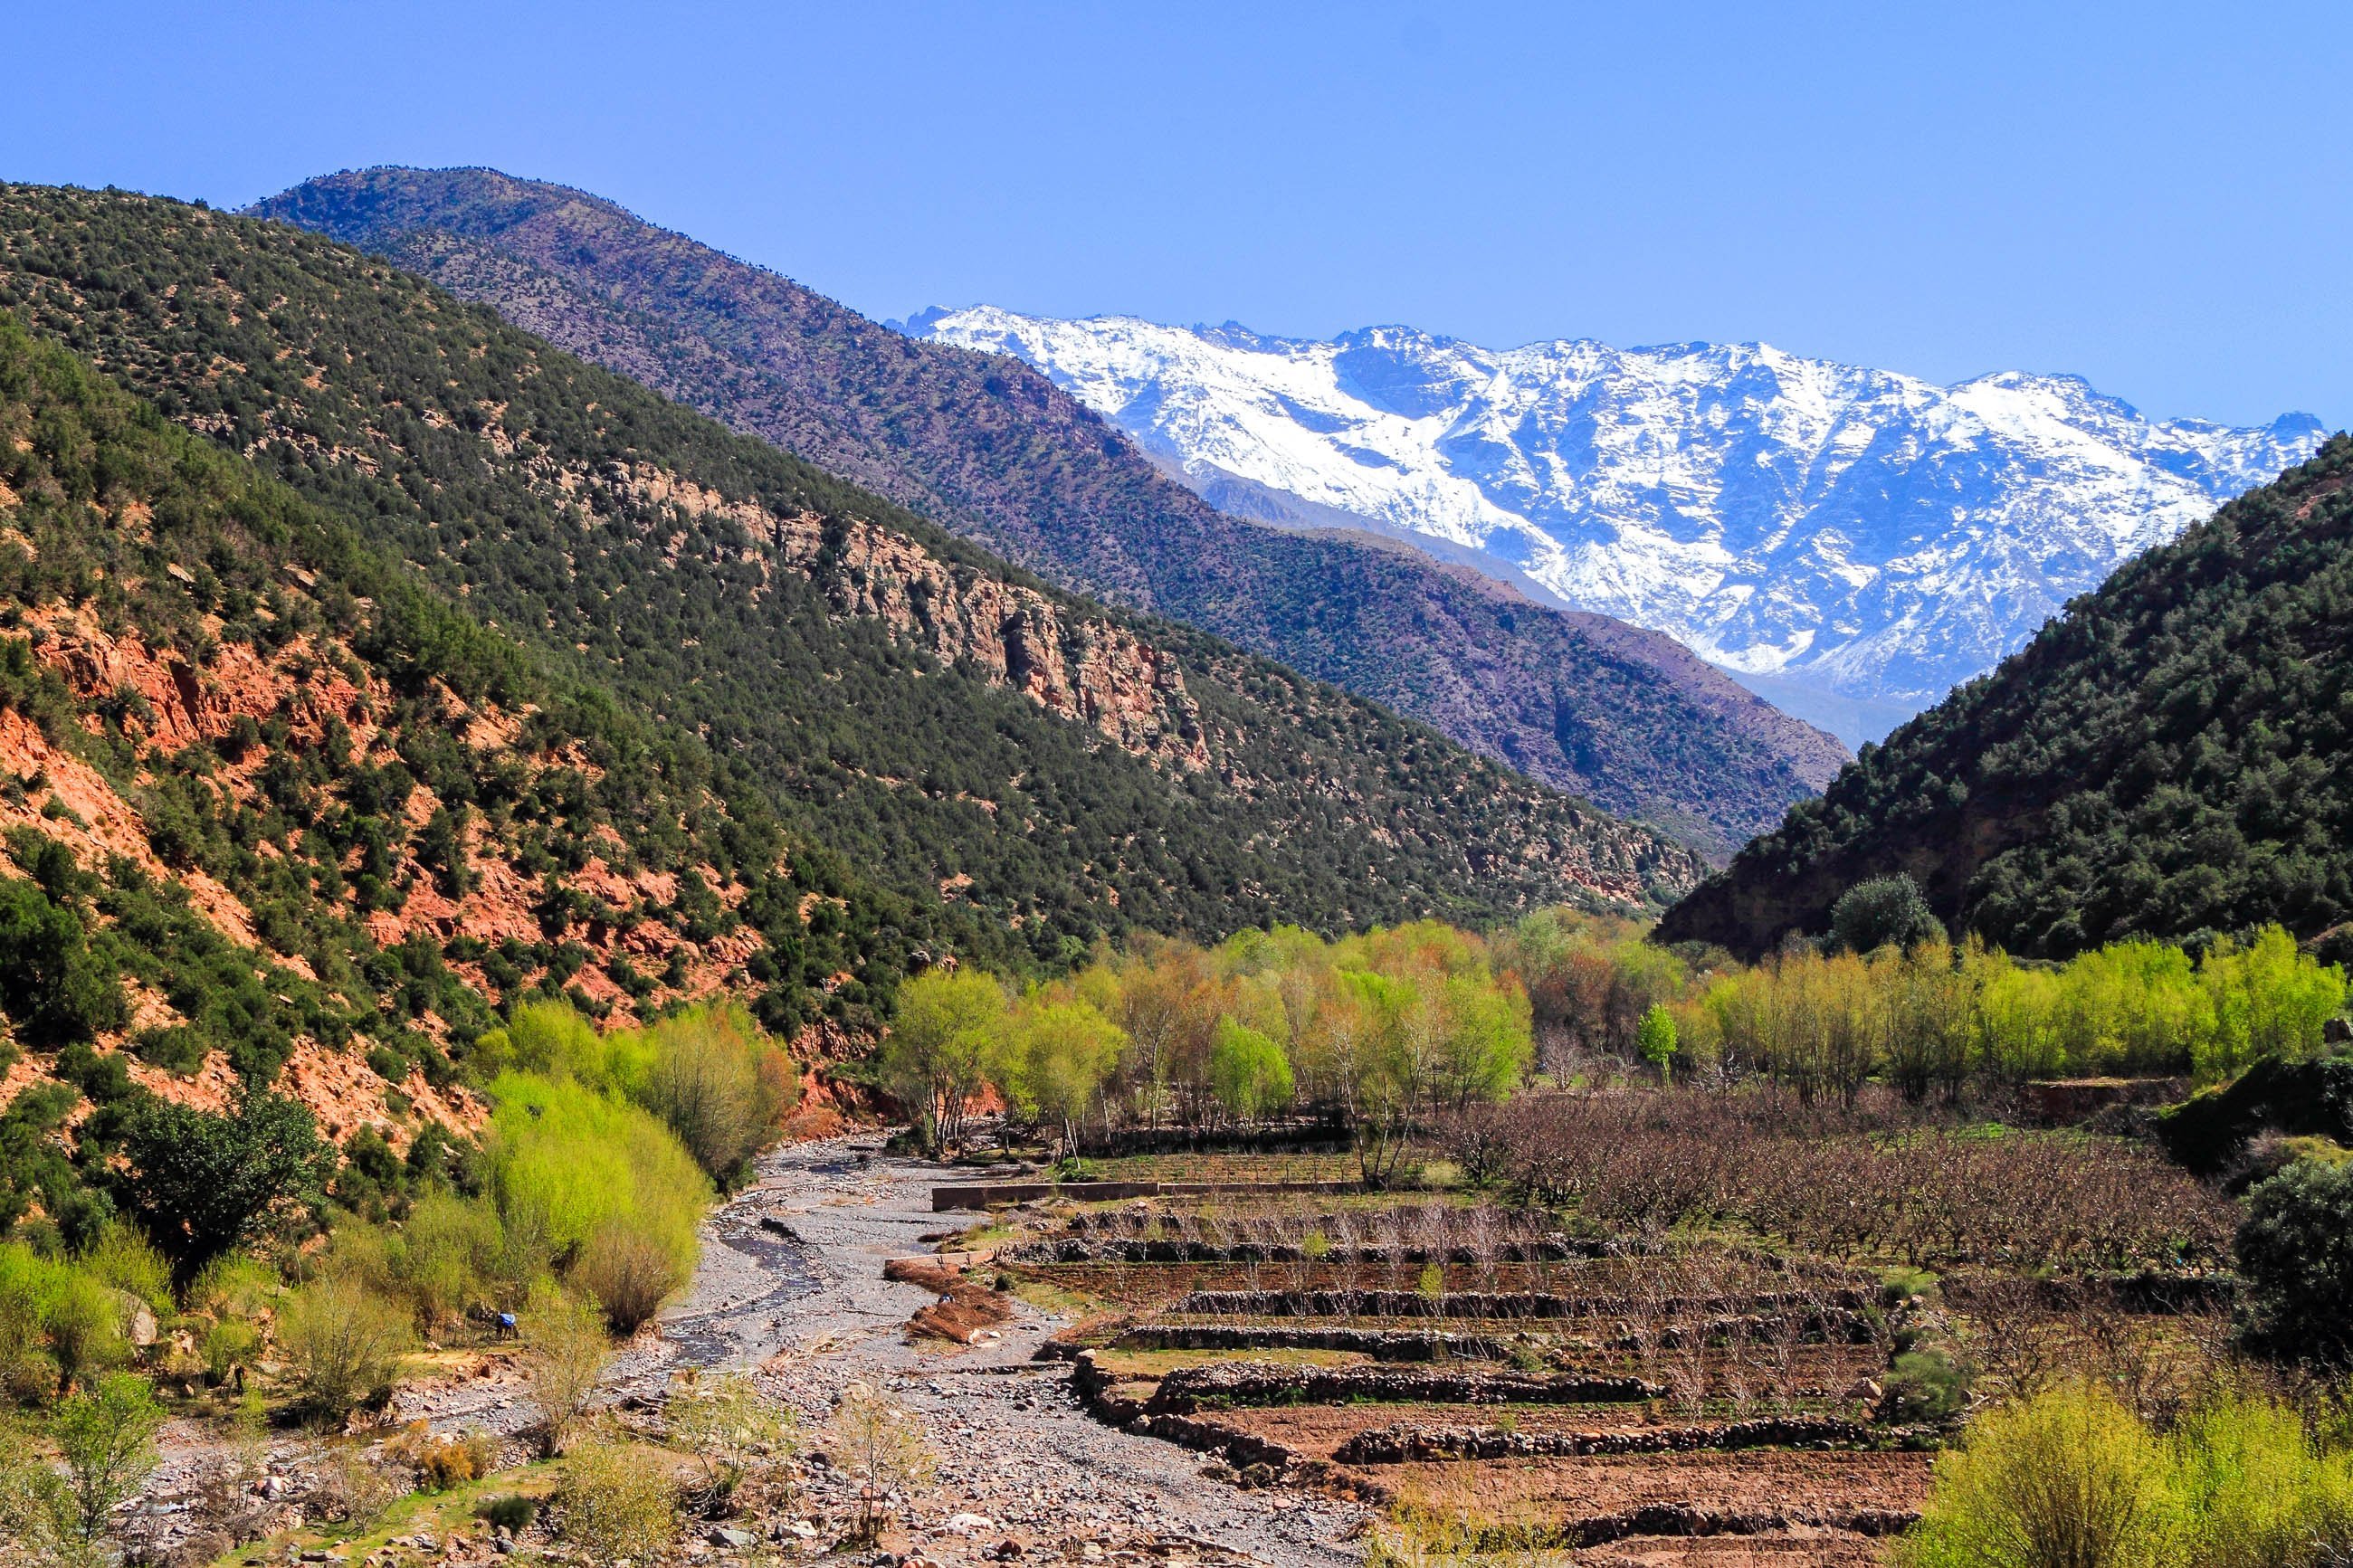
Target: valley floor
{"x":1014,"y":1448}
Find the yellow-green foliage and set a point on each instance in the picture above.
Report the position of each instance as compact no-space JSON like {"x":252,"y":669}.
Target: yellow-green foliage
{"x":1939,"y":1013}
{"x":2072,"y":1477}
{"x":710,"y":1072}
{"x":59,"y":1323}
{"x":582,"y":1171}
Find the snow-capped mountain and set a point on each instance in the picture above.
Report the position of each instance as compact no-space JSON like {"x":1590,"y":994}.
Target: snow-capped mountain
{"x":1853,"y":541}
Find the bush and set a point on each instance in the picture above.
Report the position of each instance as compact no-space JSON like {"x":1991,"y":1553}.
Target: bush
{"x":2295,"y":1254}
{"x":345,"y":1343}
{"x":123,"y":1259}
{"x":106,"y":1439}
{"x":707,"y":1082}
{"x":51,"y":983}
{"x":2255,"y":1490}
{"x":1926,"y":1385}
{"x":1886,"y":912}
{"x":616,"y":1505}
{"x":2072,"y":1478}
{"x":442,"y":1463}
{"x":512,"y":1514}
{"x":37,"y":1513}
{"x":566,"y":1352}
{"x":602,"y":1181}
{"x":2068,"y":1479}
{"x":725,"y":1422}
{"x":879,"y":1444}
{"x":451,"y":1248}
{"x":630,"y":1274}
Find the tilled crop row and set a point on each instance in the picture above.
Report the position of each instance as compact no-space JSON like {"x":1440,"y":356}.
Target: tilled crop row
{"x":1230,"y":1384}
{"x":1407,"y":1442}
{"x":1381,"y":1344}
{"x":1513,"y":1306}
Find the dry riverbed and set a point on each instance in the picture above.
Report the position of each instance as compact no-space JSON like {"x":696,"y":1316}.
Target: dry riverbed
{"x":801,"y":1302}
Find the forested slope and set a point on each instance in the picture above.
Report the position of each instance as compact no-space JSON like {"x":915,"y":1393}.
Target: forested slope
{"x":991,"y":448}
{"x":1045,"y":770}
{"x":2169,"y":758}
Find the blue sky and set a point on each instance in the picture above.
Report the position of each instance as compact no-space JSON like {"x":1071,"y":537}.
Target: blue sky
{"x":2153,"y":196}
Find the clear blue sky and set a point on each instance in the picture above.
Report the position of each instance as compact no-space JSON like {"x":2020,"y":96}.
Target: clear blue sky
{"x":2154,"y":196}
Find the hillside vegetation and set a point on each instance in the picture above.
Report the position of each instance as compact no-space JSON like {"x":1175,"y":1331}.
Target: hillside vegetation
{"x":1045,"y":770}
{"x":2167,"y":760}
{"x":991,"y":448}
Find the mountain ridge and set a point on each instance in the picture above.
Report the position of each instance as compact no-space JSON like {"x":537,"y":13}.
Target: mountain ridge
{"x":2164,"y":759}
{"x":1032,"y":771}
{"x":992,"y":449}
{"x":1815,"y":527}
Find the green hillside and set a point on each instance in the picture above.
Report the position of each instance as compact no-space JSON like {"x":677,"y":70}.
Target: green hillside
{"x":1041,"y":770}
{"x":2169,"y":758}
{"x":992,"y":449}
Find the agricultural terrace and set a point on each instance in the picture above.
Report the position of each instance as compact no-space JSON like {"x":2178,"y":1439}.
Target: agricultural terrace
{"x":1560,"y":1242}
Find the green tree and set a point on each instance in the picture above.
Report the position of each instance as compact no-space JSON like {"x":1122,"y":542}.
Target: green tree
{"x":204,"y":1183}
{"x":1066,"y":1051}
{"x":1248,"y":1071}
{"x":1656,"y":1039}
{"x":52,"y":984}
{"x":1885,"y":911}
{"x":944,"y":1047}
{"x":2295,"y":1253}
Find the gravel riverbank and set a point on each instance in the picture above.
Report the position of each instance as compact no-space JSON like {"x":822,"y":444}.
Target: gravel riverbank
{"x":1014,"y":1447}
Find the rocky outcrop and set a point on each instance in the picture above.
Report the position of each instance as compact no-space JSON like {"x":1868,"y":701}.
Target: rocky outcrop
{"x":1091,"y":670}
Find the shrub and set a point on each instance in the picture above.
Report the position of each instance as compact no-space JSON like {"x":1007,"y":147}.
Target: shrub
{"x":1926,"y":1385}
{"x":2068,"y":1479}
{"x":566,"y":1352}
{"x":707,"y":1082}
{"x":442,"y":1463}
{"x":37,"y":1513}
{"x":345,"y":1343}
{"x":590,"y":1176}
{"x":123,"y":1259}
{"x":512,"y":1513}
{"x":2257,"y":1492}
{"x":51,"y":983}
{"x":725,"y":1422}
{"x":629,"y":1274}
{"x":879,"y":1443}
{"x":351,"y":1490}
{"x":616,"y":1505}
{"x":2295,"y":1253}
{"x":106,"y":1439}
{"x":451,"y":1247}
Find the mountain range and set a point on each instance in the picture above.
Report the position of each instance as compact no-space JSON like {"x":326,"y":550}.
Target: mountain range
{"x":991,"y":449}
{"x":1852,"y":542}
{"x":1015,"y":771}
{"x":2166,"y":760}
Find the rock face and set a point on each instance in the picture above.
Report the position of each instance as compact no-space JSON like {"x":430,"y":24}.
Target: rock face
{"x":1842,"y":533}
{"x":1090,"y":669}
{"x":992,"y":450}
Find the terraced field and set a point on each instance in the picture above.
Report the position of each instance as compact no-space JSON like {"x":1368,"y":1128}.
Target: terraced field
{"x":1501,"y":1377}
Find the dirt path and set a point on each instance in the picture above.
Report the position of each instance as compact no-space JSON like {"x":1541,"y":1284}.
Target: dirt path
{"x":1014,"y":1448}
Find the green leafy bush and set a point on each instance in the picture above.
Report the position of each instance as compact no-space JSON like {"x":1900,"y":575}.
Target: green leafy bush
{"x":345,"y":1343}
{"x":2295,"y":1253}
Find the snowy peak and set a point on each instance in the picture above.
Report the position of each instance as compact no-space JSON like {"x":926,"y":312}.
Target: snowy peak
{"x":1855,"y":541}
